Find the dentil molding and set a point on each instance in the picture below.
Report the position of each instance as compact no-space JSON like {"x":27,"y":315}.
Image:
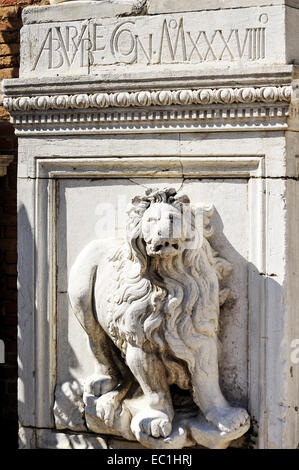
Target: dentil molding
{"x":164,"y":110}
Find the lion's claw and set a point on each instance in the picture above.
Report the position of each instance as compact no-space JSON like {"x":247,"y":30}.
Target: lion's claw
{"x":151,"y":422}
{"x":227,"y":419}
{"x":98,"y":385}
{"x":160,"y":428}
{"x":106,"y":406}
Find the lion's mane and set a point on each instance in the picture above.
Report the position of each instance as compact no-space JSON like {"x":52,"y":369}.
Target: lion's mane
{"x":169,"y":306}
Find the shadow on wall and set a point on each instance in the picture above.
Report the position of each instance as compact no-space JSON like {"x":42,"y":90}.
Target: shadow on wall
{"x":26,"y":312}
{"x":31,"y":314}
{"x":8,"y":305}
{"x":262,"y":292}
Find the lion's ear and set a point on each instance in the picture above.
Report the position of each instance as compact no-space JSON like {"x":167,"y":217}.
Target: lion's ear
{"x":202,"y":214}
{"x":223,"y":295}
{"x":206,"y":210}
{"x":136,"y":200}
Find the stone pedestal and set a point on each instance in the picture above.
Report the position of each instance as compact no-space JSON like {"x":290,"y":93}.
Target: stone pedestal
{"x":203,"y":99}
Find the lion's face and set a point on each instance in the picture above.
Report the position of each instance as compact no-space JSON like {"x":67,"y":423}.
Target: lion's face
{"x":163,"y":230}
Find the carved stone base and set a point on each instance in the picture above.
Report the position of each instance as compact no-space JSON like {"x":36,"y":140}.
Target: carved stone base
{"x":189,"y":428}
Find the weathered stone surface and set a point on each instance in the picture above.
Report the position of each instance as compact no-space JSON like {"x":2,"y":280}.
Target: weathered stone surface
{"x":114,"y":443}
{"x":47,"y":439}
{"x":5,"y":160}
{"x":81,"y":10}
{"x":27,"y":438}
{"x":69,"y":408}
{"x":208,"y":105}
{"x":244,"y":36}
{"x":161,"y":104}
{"x":172,"y":6}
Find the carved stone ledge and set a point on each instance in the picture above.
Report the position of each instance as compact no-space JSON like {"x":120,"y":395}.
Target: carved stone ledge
{"x":5,"y":160}
{"x":201,"y":96}
{"x":163,"y":111}
{"x":185,"y":120}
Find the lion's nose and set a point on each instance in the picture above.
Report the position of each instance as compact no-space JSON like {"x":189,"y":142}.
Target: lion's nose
{"x":161,"y":244}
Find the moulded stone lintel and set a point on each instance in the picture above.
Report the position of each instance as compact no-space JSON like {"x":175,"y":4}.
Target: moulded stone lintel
{"x":60,"y":44}
{"x":5,"y":160}
{"x":168,"y":6}
{"x":78,"y":10}
{"x":165,"y":110}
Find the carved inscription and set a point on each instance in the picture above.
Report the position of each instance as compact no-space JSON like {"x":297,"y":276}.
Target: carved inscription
{"x":160,"y":40}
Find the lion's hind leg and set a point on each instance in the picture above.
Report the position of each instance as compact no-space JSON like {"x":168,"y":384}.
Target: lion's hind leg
{"x":207,"y":393}
{"x":81,"y":294}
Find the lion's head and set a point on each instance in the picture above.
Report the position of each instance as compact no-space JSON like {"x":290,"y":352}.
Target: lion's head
{"x":164,"y":224}
{"x":169,"y":278}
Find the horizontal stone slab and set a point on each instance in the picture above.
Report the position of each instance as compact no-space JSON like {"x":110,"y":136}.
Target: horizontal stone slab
{"x":81,"y":10}
{"x":207,"y":38}
{"x":145,"y":99}
{"x":172,"y":6}
{"x":156,"y":78}
{"x":172,"y":101}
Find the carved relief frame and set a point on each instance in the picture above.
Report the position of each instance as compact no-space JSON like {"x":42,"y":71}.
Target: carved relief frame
{"x":47,"y":171}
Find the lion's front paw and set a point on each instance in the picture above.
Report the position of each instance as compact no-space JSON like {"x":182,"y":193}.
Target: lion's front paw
{"x":106,"y":406}
{"x":227,"y":419}
{"x":98,"y":385}
{"x":151,"y":422}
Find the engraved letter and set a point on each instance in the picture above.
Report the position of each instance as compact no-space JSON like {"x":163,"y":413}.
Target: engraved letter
{"x":44,"y":48}
{"x":123,"y":43}
{"x":226,"y":46}
{"x":148,"y":54}
{"x":96,"y":37}
{"x":173,"y":49}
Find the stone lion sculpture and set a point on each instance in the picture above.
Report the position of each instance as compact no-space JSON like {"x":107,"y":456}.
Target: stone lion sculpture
{"x":150,"y":306}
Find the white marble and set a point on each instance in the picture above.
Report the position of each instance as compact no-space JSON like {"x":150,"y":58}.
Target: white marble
{"x":81,"y":9}
{"x":161,"y":244}
{"x":169,"y":6}
{"x":49,"y":439}
{"x":207,"y":37}
{"x":207,"y":105}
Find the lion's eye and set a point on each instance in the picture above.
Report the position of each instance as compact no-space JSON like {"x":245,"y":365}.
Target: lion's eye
{"x":151,"y":219}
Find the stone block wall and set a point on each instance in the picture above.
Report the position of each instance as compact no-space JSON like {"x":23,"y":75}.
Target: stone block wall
{"x":10,"y":24}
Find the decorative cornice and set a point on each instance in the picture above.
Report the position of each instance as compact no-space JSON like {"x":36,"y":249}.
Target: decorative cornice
{"x":5,"y":160}
{"x":203,"y":96}
{"x":166,"y":110}
{"x":148,"y":121}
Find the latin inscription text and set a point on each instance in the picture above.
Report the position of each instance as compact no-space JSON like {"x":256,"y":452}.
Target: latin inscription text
{"x":168,"y":41}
